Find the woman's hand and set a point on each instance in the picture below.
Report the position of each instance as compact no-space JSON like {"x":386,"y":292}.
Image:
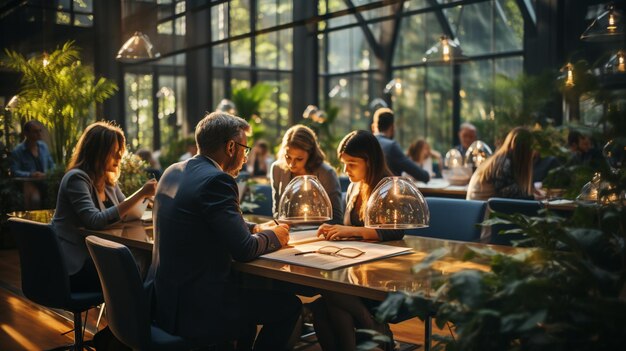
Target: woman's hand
{"x":337,"y":232}
{"x":149,"y":188}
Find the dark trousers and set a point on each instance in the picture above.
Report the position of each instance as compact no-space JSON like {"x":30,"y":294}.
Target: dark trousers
{"x":276,"y":311}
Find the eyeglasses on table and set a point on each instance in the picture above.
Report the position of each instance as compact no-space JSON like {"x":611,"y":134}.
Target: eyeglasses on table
{"x":347,"y":252}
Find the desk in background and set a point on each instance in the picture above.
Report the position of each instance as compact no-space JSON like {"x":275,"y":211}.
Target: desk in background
{"x":438,"y":187}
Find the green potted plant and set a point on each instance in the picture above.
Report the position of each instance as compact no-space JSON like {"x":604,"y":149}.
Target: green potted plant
{"x":60,"y":92}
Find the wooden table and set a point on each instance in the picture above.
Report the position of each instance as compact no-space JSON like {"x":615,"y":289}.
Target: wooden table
{"x":372,"y":280}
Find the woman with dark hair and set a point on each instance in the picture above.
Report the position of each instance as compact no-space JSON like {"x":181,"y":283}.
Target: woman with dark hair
{"x":509,"y":172}
{"x":90,"y":197}
{"x":300,"y":154}
{"x":336,"y":316}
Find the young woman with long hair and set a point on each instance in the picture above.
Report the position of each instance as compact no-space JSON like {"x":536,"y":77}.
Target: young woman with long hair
{"x":509,"y":172}
{"x":301,"y":154}
{"x":336,"y":316}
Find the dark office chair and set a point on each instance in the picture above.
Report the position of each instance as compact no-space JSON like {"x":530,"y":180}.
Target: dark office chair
{"x":453,"y":219}
{"x":128,"y":299}
{"x":510,"y":206}
{"x":44,"y":275}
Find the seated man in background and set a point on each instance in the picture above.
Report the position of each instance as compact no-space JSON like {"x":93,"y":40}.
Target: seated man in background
{"x":397,"y":161}
{"x":31,"y":159}
{"x":582,"y":150}
{"x":199,"y":230}
{"x":467,"y":135}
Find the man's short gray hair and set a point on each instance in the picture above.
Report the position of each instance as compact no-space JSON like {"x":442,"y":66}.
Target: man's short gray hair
{"x":467,"y":125}
{"x":216,"y":128}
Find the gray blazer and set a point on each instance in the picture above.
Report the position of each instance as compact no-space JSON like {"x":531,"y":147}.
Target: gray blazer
{"x":327,"y":177}
{"x":78,"y":206}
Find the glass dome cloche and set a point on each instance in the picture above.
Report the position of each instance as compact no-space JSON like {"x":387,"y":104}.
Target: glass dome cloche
{"x":455,"y":172}
{"x":304,"y":201}
{"x":477,"y":153}
{"x":396,"y":203}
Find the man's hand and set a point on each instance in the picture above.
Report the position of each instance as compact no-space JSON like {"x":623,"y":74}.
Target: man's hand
{"x":282,"y":233}
{"x":38,"y":174}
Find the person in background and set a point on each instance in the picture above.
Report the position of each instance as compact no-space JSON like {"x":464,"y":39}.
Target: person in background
{"x":336,"y":316}
{"x":191,"y":148}
{"x":301,"y":154}
{"x":508,"y":173}
{"x":89,"y":197}
{"x":421,"y":153}
{"x":199,"y":231}
{"x":153,"y":169}
{"x":260,"y":160}
{"x":582,"y":150}
{"x":397,"y":161}
{"x":31,"y":159}
{"x":467,"y":135}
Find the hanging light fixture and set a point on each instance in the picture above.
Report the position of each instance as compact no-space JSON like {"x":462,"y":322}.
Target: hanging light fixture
{"x":313,"y":113}
{"x":137,"y":48}
{"x":394,"y":87}
{"x":446,"y":51}
{"x":568,"y":76}
{"x":339,"y":89}
{"x":607,"y":26}
{"x":617,"y":63}
{"x":13,"y":103}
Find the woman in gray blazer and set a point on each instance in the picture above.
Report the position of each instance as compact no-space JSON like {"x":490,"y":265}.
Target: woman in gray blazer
{"x":90,"y":197}
{"x":300,"y":154}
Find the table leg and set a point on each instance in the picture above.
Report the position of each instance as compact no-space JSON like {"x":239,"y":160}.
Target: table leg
{"x":427,"y":332}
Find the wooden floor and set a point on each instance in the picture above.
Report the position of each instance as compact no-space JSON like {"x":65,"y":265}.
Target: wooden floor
{"x":27,"y":326}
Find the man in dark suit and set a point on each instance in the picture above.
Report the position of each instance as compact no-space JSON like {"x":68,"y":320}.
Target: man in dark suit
{"x":199,"y":230}
{"x":397,"y":161}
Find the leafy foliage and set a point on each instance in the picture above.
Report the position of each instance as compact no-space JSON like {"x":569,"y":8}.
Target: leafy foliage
{"x":60,"y":92}
{"x":133,"y":173}
{"x":325,"y":134}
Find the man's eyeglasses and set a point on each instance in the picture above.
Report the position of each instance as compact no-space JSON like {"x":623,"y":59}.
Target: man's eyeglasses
{"x":247,"y":148}
{"x":347,"y":252}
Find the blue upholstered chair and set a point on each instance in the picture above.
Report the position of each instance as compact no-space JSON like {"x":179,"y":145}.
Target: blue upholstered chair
{"x":45,"y":279}
{"x":264,"y":201}
{"x":128,"y":299}
{"x":453,"y":219}
{"x":510,"y":206}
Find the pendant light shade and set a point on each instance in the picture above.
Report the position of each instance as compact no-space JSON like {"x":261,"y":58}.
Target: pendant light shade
{"x":304,"y":201}
{"x":396,"y":203}
{"x":394,"y":87}
{"x":13,"y":103}
{"x":447,"y":51}
{"x":137,"y":48}
{"x":617,"y":63}
{"x":568,"y":75}
{"x":314,"y":113}
{"x":608,"y":26}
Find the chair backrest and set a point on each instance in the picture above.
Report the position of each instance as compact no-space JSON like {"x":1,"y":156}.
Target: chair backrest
{"x":510,"y":206}
{"x":126,"y":299}
{"x":265,"y":203}
{"x":44,"y":274}
{"x":344,"y":182}
{"x":453,"y":219}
